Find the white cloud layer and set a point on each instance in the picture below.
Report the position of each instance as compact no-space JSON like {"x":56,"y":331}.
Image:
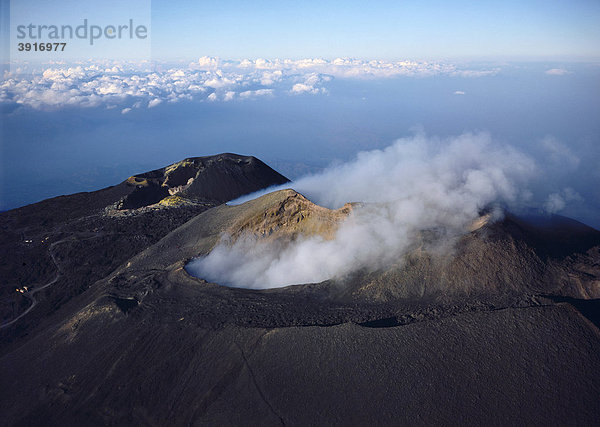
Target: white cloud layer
{"x":129,"y":86}
{"x":557,"y":72}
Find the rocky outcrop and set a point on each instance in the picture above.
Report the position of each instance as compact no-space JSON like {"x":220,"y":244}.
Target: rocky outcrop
{"x":291,"y":217}
{"x":214,"y":179}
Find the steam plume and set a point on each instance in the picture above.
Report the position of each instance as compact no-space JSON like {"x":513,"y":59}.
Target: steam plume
{"x":415,"y":184}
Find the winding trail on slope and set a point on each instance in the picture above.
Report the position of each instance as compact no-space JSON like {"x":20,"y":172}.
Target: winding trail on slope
{"x":30,"y":295}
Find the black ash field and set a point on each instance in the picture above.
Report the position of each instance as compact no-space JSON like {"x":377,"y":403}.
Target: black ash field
{"x":501,"y":329}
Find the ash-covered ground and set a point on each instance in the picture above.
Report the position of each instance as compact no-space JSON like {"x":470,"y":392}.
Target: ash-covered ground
{"x":112,"y":328}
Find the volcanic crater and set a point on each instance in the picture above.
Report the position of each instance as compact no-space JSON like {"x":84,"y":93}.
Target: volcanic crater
{"x":499,"y":330}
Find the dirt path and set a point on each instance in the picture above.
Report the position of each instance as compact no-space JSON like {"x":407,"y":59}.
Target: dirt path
{"x":30,"y":294}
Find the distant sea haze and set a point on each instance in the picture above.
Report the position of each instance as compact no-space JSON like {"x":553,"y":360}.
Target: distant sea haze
{"x":104,"y":135}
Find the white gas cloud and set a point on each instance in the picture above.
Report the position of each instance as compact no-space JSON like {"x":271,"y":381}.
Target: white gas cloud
{"x":311,"y":83}
{"x":154,"y":102}
{"x":559,"y":154}
{"x":422,"y":183}
{"x":208,"y":62}
{"x":230,"y":95}
{"x":556,"y":202}
{"x":557,"y":72}
{"x":256,"y":93}
{"x":208,"y":78}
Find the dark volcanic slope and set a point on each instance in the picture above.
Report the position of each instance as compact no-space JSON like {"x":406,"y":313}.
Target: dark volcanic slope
{"x":466,"y":339}
{"x":77,"y":241}
{"x":214,"y":179}
{"x":534,"y":365}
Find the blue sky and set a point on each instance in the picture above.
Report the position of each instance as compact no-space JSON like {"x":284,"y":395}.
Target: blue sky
{"x":510,"y":30}
{"x":380,"y":29}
